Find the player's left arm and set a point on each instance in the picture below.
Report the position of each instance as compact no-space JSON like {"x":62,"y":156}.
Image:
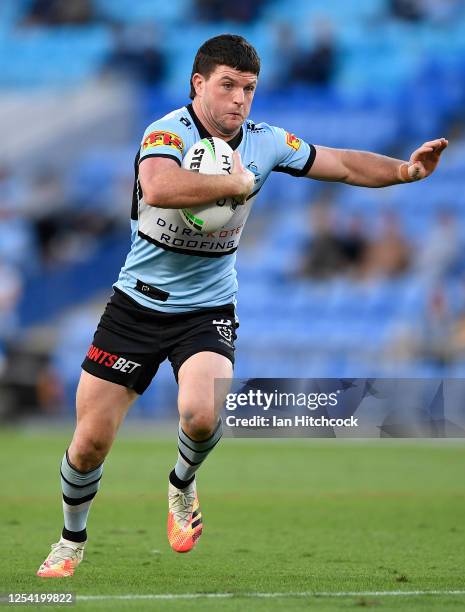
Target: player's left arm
{"x":367,"y":169}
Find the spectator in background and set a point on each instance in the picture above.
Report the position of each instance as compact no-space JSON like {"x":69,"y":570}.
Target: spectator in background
{"x":17,"y":246}
{"x":434,"y":334}
{"x":46,"y":199}
{"x":317,"y":64}
{"x":208,"y":10}
{"x":286,"y":50}
{"x":431,"y":337}
{"x":29,"y":385}
{"x":239,"y":11}
{"x":324,"y":256}
{"x":136,"y":56}
{"x":64,"y":228}
{"x":407,"y":10}
{"x":443,"y":12}
{"x":59,"y":235}
{"x":389,"y":255}
{"x":46,"y":193}
{"x":440,"y":250}
{"x":10,"y":292}
{"x":436,"y":11}
{"x":333,"y":249}
{"x":13,"y":192}
{"x":354,"y":244}
{"x":59,"y":12}
{"x":458,"y":335}
{"x":72,"y":331}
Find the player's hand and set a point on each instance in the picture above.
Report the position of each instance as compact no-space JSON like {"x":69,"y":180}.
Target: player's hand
{"x":424,"y":160}
{"x":245,"y":179}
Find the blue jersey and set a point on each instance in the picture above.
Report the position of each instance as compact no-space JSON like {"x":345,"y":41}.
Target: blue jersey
{"x":173,"y":268}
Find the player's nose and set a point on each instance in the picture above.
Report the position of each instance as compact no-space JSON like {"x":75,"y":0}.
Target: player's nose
{"x":239,"y":96}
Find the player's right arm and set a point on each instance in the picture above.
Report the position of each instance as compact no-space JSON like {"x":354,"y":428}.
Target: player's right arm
{"x":166,"y":185}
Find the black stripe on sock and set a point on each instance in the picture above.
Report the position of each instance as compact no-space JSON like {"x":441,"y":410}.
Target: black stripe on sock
{"x":178,"y":483}
{"x":73,"y":467}
{"x":206,"y":439}
{"x":188,"y":460}
{"x":196,"y":523}
{"x":73,"y":501}
{"x":207,"y":450}
{"x":71,"y":484}
{"x":74,"y":536}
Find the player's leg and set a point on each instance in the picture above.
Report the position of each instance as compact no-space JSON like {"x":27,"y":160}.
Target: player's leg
{"x":199,"y":432}
{"x":120,"y":364}
{"x":199,"y":408}
{"x":100,"y":407}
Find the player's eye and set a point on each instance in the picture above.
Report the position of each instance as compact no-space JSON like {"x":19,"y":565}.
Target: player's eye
{"x":227,"y":85}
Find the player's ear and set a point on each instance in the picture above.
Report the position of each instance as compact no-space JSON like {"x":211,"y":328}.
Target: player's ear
{"x":198,"y":83}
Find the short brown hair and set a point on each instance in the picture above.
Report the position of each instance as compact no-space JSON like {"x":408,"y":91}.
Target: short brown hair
{"x":225,"y":50}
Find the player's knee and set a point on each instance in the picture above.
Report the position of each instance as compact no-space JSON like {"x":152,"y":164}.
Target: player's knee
{"x":198,"y":426}
{"x":86,"y":453}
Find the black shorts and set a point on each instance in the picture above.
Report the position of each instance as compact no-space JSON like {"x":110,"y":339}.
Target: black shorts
{"x":131,"y":340}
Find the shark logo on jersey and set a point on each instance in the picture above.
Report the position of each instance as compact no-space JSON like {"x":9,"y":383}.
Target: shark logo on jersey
{"x":253,"y":168}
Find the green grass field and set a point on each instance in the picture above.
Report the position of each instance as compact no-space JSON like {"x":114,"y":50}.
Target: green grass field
{"x":289,"y":525}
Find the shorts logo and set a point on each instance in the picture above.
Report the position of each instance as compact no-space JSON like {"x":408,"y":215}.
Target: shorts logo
{"x":163,"y":139}
{"x":292,"y":141}
{"x":115,"y":362}
{"x":224,"y":328}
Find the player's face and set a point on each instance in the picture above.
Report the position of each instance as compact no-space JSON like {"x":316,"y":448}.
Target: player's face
{"x":225,"y":98}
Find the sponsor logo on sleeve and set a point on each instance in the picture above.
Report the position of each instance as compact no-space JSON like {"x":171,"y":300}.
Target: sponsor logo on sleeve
{"x":292,"y":141}
{"x":163,"y":139}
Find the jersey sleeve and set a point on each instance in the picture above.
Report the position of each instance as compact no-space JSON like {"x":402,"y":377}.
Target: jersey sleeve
{"x":294,"y":156}
{"x":164,"y":138}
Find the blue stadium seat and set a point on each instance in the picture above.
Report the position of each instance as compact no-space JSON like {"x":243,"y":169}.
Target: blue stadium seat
{"x":52,"y":57}
{"x":127,"y":11}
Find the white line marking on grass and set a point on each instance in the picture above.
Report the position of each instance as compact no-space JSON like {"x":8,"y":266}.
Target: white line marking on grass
{"x":158,"y":596}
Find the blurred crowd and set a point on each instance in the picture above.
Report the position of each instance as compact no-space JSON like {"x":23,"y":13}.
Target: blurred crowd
{"x":349,"y":245}
{"x":357,"y":249}
{"x":305,"y":54}
{"x":443,"y":11}
{"x":48,"y":223}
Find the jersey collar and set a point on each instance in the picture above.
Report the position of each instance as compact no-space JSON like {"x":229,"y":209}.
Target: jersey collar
{"x":234,"y":143}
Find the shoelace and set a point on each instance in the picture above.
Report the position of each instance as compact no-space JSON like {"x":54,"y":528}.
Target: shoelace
{"x":181,"y":506}
{"x":60,"y":553}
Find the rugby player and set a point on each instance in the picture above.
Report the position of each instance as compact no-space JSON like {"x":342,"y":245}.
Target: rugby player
{"x":175,"y":294}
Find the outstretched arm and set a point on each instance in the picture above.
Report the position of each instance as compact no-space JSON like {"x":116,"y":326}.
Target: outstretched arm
{"x":372,"y":170}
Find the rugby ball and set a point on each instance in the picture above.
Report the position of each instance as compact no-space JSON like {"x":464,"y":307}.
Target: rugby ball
{"x":209,"y":156}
